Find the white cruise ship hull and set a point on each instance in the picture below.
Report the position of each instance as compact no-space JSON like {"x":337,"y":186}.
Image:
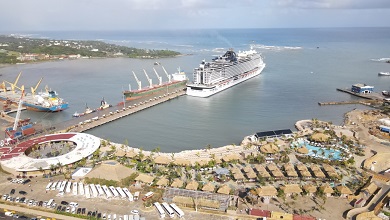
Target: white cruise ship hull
{"x":206,"y":91}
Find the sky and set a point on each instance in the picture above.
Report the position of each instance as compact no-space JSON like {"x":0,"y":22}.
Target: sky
{"x":47,"y":15}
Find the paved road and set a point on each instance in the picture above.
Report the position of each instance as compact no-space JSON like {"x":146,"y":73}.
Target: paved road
{"x":35,"y":212}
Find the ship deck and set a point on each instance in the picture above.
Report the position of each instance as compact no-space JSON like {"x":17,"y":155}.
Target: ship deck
{"x":15,"y":97}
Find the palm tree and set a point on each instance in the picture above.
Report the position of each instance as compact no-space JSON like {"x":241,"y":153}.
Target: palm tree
{"x":208,"y":147}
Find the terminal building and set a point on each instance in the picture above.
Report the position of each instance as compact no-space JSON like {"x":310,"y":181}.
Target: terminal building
{"x":362,"y":88}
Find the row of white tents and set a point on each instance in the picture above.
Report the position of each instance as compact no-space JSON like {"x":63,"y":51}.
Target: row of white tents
{"x":91,"y":190}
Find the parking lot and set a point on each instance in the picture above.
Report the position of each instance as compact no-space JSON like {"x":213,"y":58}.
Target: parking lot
{"x":36,"y":193}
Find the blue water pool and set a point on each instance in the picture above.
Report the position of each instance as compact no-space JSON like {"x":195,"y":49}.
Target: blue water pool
{"x":321,"y":152}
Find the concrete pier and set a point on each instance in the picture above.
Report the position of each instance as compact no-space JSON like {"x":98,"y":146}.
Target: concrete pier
{"x":112,"y":116}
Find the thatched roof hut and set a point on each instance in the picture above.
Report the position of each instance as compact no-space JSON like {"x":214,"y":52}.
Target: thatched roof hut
{"x":110,"y":170}
{"x":209,"y":187}
{"x":131,"y":154}
{"x":163,"y":160}
{"x":225,"y":189}
{"x":248,"y":169}
{"x":326,"y":189}
{"x":317,"y":171}
{"x":368,"y":216}
{"x":309,"y":188}
{"x":291,"y":189}
{"x":269,"y":148}
{"x":290,"y":170}
{"x":251,"y":175}
{"x":331,"y":171}
{"x":181,"y":162}
{"x":320,"y":137}
{"x":262,"y":171}
{"x":344,"y":190}
{"x":177,"y":183}
{"x":303,"y":170}
{"x":144,"y":178}
{"x":238,"y":176}
{"x":272,"y":166}
{"x":203,"y":162}
{"x":231,"y":157}
{"x":193,"y":185}
{"x":162,"y":182}
{"x":302,"y":150}
{"x":120,"y":153}
{"x":266,"y":191}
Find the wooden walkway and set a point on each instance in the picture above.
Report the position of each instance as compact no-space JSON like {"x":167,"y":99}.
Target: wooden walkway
{"x":123,"y":113}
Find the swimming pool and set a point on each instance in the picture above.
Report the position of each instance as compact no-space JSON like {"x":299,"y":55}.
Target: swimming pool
{"x":323,"y":153}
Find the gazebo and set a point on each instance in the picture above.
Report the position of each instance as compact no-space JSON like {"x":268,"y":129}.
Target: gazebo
{"x":310,"y":189}
{"x":225,"y":189}
{"x":181,"y":162}
{"x":193,"y":185}
{"x":230,"y":157}
{"x":344,"y":191}
{"x":177,"y":183}
{"x":162,"y":160}
{"x":144,"y":178}
{"x":209,"y":187}
{"x":262,"y":171}
{"x":267,"y":192}
{"x":320,"y":137}
{"x":163,"y":182}
{"x":269,"y":148}
{"x":291,"y":189}
{"x":327,"y":190}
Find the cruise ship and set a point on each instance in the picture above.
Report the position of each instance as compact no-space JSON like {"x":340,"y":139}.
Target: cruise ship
{"x":224,"y":72}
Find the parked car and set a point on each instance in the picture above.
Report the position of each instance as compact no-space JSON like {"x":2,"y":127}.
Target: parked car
{"x":22,"y":192}
{"x":12,"y":192}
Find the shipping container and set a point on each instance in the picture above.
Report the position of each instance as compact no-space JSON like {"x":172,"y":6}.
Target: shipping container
{"x":28,"y":131}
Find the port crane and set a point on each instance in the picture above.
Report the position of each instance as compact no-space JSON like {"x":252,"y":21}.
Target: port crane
{"x":158,"y":77}
{"x":13,"y":85}
{"x":169,"y":76}
{"x":138,"y":82}
{"x":149,"y":79}
{"x":34,"y":89}
{"x":11,"y":133}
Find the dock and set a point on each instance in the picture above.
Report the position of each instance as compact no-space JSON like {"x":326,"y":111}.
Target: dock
{"x":371,"y":96}
{"x":118,"y":114}
{"x":365,"y":102}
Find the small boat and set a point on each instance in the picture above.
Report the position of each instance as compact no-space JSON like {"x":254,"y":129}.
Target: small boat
{"x":104,"y":105}
{"x":386,"y":93}
{"x":76,"y":115}
{"x":384,"y":74}
{"x":156,"y":63}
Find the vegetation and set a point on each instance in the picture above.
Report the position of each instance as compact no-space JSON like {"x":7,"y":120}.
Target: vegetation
{"x":101,"y":181}
{"x":11,"y":47}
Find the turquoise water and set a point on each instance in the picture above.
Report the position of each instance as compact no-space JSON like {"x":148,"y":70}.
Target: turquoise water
{"x":321,"y":152}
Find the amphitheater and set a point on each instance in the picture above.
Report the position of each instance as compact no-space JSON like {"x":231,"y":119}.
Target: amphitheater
{"x":14,"y":159}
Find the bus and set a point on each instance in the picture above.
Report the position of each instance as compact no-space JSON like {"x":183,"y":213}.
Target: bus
{"x":67,"y":188}
{"x":178,"y":211}
{"x":93,"y":190}
{"x":100,"y":190}
{"x":128,"y":194}
{"x":81,"y":189}
{"x":62,"y":188}
{"x":87,"y":192}
{"x":148,"y":195}
{"x":74,"y":188}
{"x":159,"y":210}
{"x":48,"y":186}
{"x":113,"y":190}
{"x":107,"y":191}
{"x":53,"y":186}
{"x":168,"y":210}
{"x":120,"y":191}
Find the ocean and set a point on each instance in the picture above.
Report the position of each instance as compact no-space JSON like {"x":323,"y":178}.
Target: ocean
{"x":303,"y":67}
